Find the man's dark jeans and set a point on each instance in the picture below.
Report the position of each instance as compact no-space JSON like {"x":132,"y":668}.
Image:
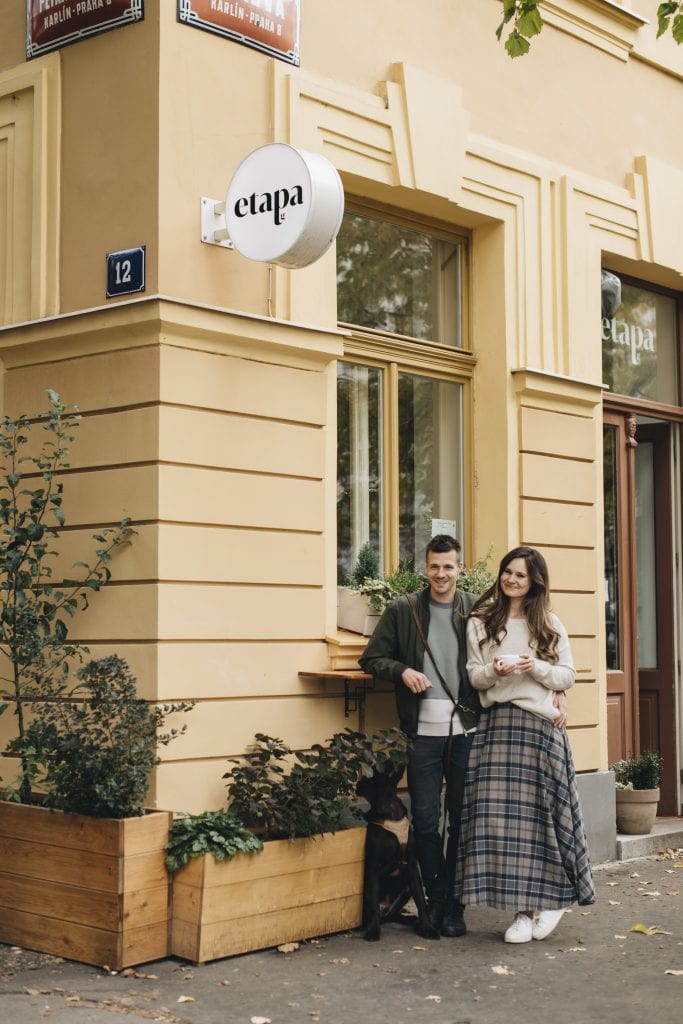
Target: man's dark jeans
{"x":427,"y":768}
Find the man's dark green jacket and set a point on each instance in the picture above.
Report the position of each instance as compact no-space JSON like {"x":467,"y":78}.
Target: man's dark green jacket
{"x":395,"y":646}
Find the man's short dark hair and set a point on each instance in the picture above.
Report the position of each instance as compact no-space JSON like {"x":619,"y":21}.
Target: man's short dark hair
{"x":443,"y":542}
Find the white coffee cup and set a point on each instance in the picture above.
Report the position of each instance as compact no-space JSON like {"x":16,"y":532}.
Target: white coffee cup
{"x":508,"y":659}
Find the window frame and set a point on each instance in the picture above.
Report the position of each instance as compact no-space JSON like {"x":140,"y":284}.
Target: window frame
{"x":395,"y":354}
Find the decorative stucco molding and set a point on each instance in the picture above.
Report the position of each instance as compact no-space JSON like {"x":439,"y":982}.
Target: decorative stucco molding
{"x":30,"y":132}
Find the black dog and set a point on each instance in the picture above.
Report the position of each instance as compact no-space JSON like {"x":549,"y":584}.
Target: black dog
{"x":392,"y":874}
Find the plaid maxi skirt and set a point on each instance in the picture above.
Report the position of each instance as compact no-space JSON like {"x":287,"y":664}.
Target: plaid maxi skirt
{"x":522,"y":841}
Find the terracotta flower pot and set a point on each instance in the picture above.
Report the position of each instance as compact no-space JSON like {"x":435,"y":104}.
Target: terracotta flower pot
{"x":636,"y":811}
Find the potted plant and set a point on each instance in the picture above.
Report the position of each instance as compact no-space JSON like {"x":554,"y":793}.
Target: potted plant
{"x":83,"y":865}
{"x":637,"y":792}
{"x":308,"y":878}
{"x":355,"y":609}
{"x":360,"y":604}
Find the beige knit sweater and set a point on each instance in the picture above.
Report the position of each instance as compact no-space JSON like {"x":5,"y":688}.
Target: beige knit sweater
{"x":533,"y":690}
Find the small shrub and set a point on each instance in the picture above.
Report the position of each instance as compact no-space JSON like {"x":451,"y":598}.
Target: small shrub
{"x":367,"y":565}
{"x":219,"y":833}
{"x":477,"y":578}
{"x":93,"y":749}
{"x":641,"y":772}
{"x":279,"y":793}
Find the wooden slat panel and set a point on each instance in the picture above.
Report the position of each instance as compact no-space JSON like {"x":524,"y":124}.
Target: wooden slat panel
{"x":52,"y":899}
{"x":144,"y":870}
{"x":146,"y":834}
{"x":316,"y":885}
{"x":223,"y":939}
{"x":144,"y":907}
{"x":72,"y":831}
{"x":77,"y":942}
{"x":72,"y":867}
{"x":140,"y":945}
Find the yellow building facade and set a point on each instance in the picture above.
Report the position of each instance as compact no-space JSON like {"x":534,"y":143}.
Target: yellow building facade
{"x":210,"y":400}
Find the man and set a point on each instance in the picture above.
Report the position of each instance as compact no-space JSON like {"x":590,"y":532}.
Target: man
{"x":437,"y":718}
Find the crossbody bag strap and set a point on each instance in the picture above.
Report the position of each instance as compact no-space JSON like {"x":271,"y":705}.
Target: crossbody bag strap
{"x":425,"y":643}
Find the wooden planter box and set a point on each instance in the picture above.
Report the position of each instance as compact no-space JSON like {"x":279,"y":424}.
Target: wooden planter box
{"x":89,"y":889}
{"x":294,"y":889}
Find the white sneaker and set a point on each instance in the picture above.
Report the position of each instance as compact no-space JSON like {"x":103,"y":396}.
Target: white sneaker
{"x":546,"y":921}
{"x":521,"y":929}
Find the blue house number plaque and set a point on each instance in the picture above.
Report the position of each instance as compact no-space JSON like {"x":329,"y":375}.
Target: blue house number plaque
{"x":126,"y":271}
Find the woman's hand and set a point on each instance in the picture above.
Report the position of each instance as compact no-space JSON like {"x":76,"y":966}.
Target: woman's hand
{"x":560,"y":702}
{"x":502,"y":668}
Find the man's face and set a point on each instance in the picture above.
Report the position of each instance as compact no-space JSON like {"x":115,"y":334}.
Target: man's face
{"x":443,"y":569}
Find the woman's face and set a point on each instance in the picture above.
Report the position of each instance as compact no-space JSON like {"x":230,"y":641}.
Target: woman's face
{"x":514,"y":579}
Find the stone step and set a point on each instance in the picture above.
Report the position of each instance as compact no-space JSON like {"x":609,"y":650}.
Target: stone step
{"x":667,"y":833}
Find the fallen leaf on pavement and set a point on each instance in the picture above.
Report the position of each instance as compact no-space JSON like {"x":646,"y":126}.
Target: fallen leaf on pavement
{"x":676,"y":974}
{"x":614,"y":903}
{"x":574,"y":949}
{"x":434,"y":999}
{"x":185,"y":999}
{"x":288,"y":947}
{"x":611,"y":883}
{"x":501,"y":969}
{"x":260,"y":1020}
{"x":420,"y":947}
{"x":645,"y":929}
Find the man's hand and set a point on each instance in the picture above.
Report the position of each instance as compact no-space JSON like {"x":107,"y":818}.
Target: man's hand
{"x":416,"y":682}
{"x":560,"y":702}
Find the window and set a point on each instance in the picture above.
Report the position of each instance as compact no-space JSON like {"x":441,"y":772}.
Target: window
{"x":640,"y":344}
{"x":401,"y":402}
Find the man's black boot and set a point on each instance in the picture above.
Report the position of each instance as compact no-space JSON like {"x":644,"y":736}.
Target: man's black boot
{"x":435,"y":913}
{"x":452,"y":920}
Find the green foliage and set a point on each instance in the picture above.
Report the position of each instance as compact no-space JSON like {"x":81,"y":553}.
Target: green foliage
{"x":525,"y":16}
{"x":478,"y":577}
{"x":281,"y":793}
{"x":641,"y":772}
{"x":34,"y":609}
{"x":671,"y":14}
{"x":526,"y":22}
{"x":94,"y":747}
{"x":219,"y":833}
{"x":367,"y":564}
{"x":404,"y":580}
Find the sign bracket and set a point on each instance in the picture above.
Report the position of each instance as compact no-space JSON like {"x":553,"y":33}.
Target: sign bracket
{"x":212,"y":223}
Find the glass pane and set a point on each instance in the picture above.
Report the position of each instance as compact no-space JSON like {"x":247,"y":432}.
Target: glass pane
{"x":391,"y":278}
{"x":612,"y":610}
{"x":430,"y":462}
{"x":359,"y":464}
{"x":639,"y":346}
{"x":645,"y":555}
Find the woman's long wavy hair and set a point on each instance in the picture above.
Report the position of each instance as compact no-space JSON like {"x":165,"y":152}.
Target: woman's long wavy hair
{"x":493,"y":607}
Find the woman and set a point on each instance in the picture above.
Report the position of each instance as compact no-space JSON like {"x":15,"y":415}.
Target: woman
{"x":523,"y":846}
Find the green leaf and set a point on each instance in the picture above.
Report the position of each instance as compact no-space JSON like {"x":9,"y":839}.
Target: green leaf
{"x":516,"y":45}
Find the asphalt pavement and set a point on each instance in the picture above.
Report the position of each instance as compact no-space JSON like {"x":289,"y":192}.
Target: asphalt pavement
{"x":594,"y":968}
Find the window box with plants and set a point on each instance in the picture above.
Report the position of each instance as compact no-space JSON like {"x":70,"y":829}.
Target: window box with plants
{"x":287,"y":860}
{"x":637,"y":792}
{"x":83,"y":872}
{"x":361,"y":603}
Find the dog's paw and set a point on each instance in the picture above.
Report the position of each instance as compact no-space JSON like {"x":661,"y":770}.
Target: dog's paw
{"x":427,"y":931}
{"x":372,"y":935}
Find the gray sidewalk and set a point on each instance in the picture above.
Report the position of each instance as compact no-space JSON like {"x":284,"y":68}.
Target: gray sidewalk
{"x":593,"y":968}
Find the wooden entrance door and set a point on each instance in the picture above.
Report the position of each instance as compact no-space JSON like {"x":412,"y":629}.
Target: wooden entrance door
{"x":639,"y":594}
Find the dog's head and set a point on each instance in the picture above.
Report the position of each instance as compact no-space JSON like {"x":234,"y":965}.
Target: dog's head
{"x":379,"y":789}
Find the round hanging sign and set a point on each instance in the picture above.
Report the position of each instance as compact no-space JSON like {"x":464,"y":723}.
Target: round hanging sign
{"x":284,"y":206}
